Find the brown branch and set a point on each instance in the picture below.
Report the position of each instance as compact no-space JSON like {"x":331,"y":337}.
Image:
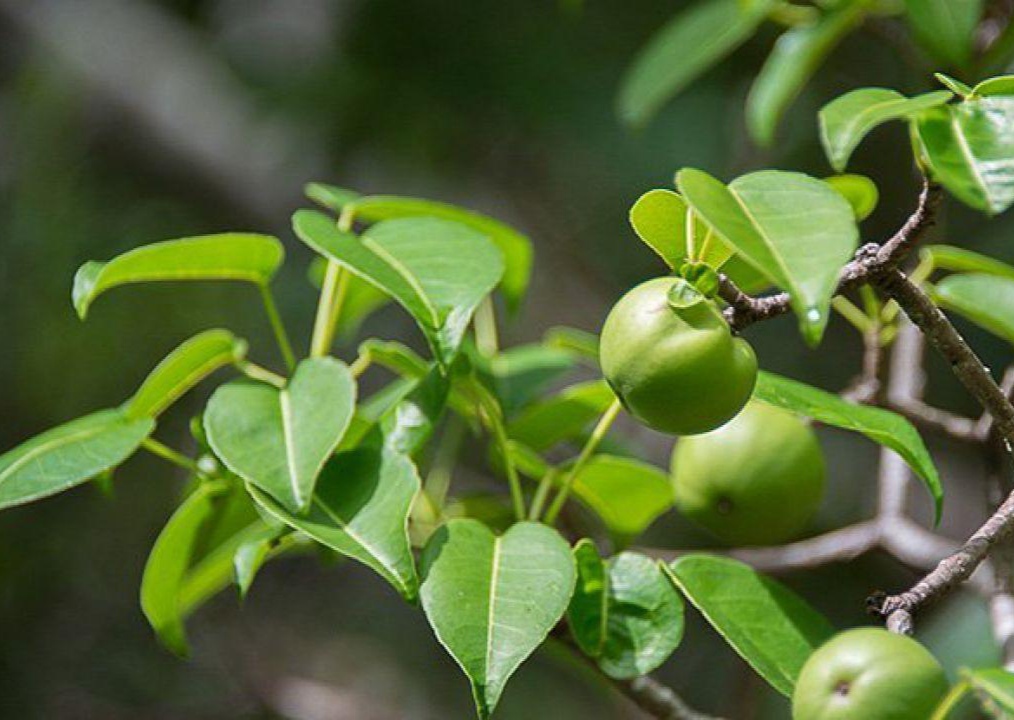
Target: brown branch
{"x":658,"y":700}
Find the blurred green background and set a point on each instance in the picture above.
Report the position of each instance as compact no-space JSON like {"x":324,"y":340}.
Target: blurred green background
{"x":128,"y":121}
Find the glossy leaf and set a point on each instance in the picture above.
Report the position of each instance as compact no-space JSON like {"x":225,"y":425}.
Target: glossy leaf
{"x":970,"y":150}
{"x":628,"y":495}
{"x":436,"y":269}
{"x":562,"y":416}
{"x":882,"y":426}
{"x":796,"y":56}
{"x":945,"y":28}
{"x":228,"y":256}
{"x":1002,"y":85}
{"x":793,"y":228}
{"x":859,"y":190}
{"x":167,"y":567}
{"x":995,"y":685}
{"x":588,"y":611}
{"x":771,"y":627}
{"x":956,"y":259}
{"x":279,"y":439}
{"x":683,"y":49}
{"x":986,"y":300}
{"x":183,"y":368}
{"x":360,"y":509}
{"x":846,"y":120}
{"x":660,"y":219}
{"x":515,"y":247}
{"x":493,"y":600}
{"x":69,"y":455}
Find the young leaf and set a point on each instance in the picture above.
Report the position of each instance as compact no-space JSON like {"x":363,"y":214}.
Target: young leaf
{"x":69,"y":455}
{"x":986,"y":300}
{"x":1002,"y":85}
{"x":956,"y":259}
{"x":515,"y":247}
{"x":228,"y":256}
{"x":683,"y":49}
{"x":970,"y":149}
{"x":659,"y":219}
{"x":279,"y":439}
{"x":762,"y":216}
{"x":793,"y":61}
{"x":994,"y":685}
{"x":954,"y":85}
{"x":882,"y":426}
{"x":183,"y":368}
{"x":945,"y":28}
{"x":859,"y":190}
{"x":771,"y":627}
{"x":436,"y":269}
{"x":846,"y":120}
{"x":360,"y":509}
{"x":628,"y":495}
{"x":561,"y":417}
{"x":167,"y":567}
{"x":493,"y":600}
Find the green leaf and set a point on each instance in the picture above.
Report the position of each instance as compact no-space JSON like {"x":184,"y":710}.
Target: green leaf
{"x":361,"y":298}
{"x":796,"y":56}
{"x":624,"y":613}
{"x":251,"y":554}
{"x":956,"y":259}
{"x":581,"y":343}
{"x":859,"y":190}
{"x":493,"y":600}
{"x":1002,"y":85}
{"x":279,"y":439}
{"x":996,"y":685}
{"x":954,"y":85}
{"x":945,"y":28}
{"x":410,"y":422}
{"x":659,"y":219}
{"x":360,"y":509}
{"x":515,"y":247}
{"x":436,"y":269}
{"x":228,"y":256}
{"x":519,"y":374}
{"x":183,"y":368}
{"x":69,"y":455}
{"x":628,"y":495}
{"x":331,"y":197}
{"x":771,"y":627}
{"x":881,"y":426}
{"x":683,"y":49}
{"x":970,"y":149}
{"x":563,"y":416}
{"x":167,"y":567}
{"x":986,"y":300}
{"x":846,"y":120}
{"x":792,"y":227}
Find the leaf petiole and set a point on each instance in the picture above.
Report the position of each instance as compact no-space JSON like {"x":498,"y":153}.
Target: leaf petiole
{"x":173,"y":456}
{"x":277,"y":326}
{"x":256,"y":372}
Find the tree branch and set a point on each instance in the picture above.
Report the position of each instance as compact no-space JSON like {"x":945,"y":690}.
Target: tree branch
{"x":658,"y":700}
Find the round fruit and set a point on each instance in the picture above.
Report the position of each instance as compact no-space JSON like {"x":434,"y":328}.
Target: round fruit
{"x":677,"y":371}
{"x":869,"y":674}
{"x":757,"y":480}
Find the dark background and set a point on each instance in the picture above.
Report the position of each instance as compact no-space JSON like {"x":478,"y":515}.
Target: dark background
{"x":128,"y":121}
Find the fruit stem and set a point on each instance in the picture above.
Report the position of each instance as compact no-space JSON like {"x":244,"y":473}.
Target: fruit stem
{"x":604,"y":423}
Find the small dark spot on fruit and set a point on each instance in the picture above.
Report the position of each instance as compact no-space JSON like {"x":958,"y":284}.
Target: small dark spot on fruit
{"x":842,"y":689}
{"x":724,"y":505}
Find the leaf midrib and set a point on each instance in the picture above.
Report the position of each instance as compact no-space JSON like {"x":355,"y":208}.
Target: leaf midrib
{"x":11,"y":469}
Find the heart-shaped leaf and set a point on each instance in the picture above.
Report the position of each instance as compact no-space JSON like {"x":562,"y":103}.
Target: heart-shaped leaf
{"x":228,"y":256}
{"x":970,"y":149}
{"x":846,"y":120}
{"x":796,"y":56}
{"x":881,"y":426}
{"x":69,"y":455}
{"x":360,"y":509}
{"x":683,"y":49}
{"x":625,"y":613}
{"x":436,"y":269}
{"x":279,"y":439}
{"x":986,"y":300}
{"x":183,"y":368}
{"x":794,"y":228}
{"x":493,"y":600}
{"x":771,"y":627}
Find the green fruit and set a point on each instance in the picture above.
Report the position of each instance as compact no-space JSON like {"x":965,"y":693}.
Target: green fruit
{"x":757,"y":480}
{"x":677,"y":371}
{"x":869,"y":674}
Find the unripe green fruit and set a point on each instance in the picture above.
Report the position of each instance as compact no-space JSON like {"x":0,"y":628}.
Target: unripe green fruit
{"x":677,"y":371}
{"x":869,"y":674}
{"x":757,"y":480}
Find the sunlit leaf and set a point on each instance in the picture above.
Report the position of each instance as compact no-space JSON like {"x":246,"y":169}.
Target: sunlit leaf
{"x":859,"y":190}
{"x":493,"y":600}
{"x":228,"y":256}
{"x":628,"y":495}
{"x":771,"y":627}
{"x":69,"y":455}
{"x":1002,"y":85}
